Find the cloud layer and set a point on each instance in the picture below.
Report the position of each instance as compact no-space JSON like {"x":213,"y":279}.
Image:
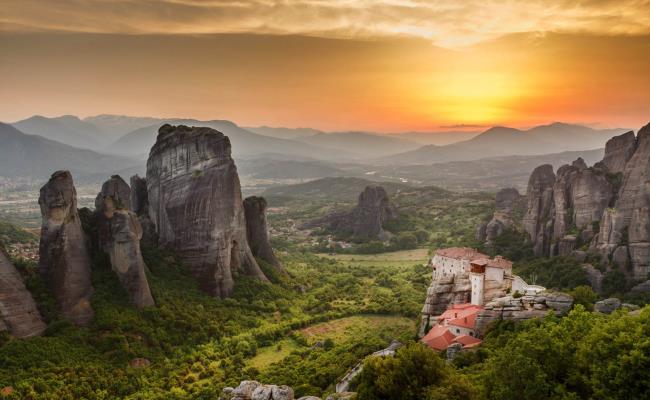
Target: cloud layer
{"x":447,"y":23}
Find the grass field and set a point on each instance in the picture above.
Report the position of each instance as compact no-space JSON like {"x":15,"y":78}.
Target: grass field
{"x":396,"y":258}
{"x":338,"y":330}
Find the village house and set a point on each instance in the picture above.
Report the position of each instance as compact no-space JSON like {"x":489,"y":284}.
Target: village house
{"x":455,"y":325}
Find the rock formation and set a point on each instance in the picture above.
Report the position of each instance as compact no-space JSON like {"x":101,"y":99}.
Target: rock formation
{"x":508,"y":201}
{"x":64,"y":260}
{"x":540,"y":206}
{"x":257,"y":231}
{"x":522,"y":308}
{"x":196,"y":205}
{"x":605,"y":208}
{"x":366,"y":220}
{"x":18,"y":313}
{"x":119,"y":236}
{"x":140,"y":206}
{"x":253,"y":390}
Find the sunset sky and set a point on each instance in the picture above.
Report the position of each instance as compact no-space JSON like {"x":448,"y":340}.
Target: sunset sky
{"x":390,"y":66}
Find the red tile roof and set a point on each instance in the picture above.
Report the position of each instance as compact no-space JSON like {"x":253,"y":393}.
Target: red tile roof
{"x":438,"y":338}
{"x":456,"y":311}
{"x":468,"y":321}
{"x":467,"y":341}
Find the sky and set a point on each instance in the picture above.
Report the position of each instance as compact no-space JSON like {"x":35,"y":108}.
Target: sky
{"x":398,"y":65}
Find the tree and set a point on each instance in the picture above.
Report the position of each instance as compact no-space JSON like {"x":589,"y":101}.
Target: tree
{"x":406,"y":376}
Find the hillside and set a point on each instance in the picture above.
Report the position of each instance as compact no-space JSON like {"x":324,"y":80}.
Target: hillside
{"x":504,"y":141}
{"x":366,"y":145}
{"x":245,"y":143}
{"x":66,"y":129}
{"x":23,"y":155}
{"x":283,"y":133}
{"x":488,"y":174}
{"x":335,"y":189}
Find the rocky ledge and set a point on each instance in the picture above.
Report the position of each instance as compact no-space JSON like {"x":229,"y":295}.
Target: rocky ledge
{"x":253,"y":390}
{"x":522,"y":308}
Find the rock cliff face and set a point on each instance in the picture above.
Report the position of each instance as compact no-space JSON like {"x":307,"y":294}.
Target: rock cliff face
{"x":253,"y":390}
{"x":257,"y":231}
{"x":140,"y":206}
{"x":196,"y":205}
{"x":508,"y":201}
{"x":119,"y":236}
{"x":540,"y":208}
{"x":366,"y":220}
{"x":64,"y":260}
{"x":522,"y":308}
{"x":605,"y":208}
{"x":18,"y":313}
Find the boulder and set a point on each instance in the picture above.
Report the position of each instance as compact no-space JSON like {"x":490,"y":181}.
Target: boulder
{"x":607,"y":306}
{"x":119,"y":236}
{"x":18,"y":312}
{"x":257,"y":230}
{"x":594,"y":276}
{"x":139,"y":363}
{"x":64,"y":261}
{"x":253,"y":390}
{"x":196,"y":205}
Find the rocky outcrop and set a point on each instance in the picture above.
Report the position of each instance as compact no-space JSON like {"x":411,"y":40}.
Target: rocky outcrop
{"x":18,"y":313}
{"x":253,"y":390}
{"x":594,"y":276}
{"x":64,"y":260}
{"x":140,"y":206}
{"x":605,"y":208}
{"x":618,"y":152}
{"x":607,"y":306}
{"x":537,"y":219}
{"x":508,"y":201}
{"x":366,"y":220}
{"x":522,"y":308}
{"x":257,"y":231}
{"x":119,"y":236}
{"x":196,"y":205}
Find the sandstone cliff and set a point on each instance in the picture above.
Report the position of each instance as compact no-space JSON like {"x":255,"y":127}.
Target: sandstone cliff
{"x":257,"y":231}
{"x":196,"y":205}
{"x":18,"y":313}
{"x":119,"y":236}
{"x":522,"y":308}
{"x":605,"y":208}
{"x":366,"y":220}
{"x":64,"y":260}
{"x":508,"y":203}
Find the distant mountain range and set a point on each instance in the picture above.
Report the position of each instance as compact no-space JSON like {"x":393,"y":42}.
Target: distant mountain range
{"x":503,"y":141}
{"x":23,"y":155}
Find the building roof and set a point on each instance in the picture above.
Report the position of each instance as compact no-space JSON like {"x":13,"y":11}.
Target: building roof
{"x":467,"y":341}
{"x":460,"y":311}
{"x":438,"y":338}
{"x":466,"y":321}
{"x":496,"y":262}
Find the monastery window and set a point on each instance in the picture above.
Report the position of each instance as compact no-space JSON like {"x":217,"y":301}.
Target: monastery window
{"x":457,"y":330}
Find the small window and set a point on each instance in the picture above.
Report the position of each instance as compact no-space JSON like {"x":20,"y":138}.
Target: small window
{"x":457,"y":330}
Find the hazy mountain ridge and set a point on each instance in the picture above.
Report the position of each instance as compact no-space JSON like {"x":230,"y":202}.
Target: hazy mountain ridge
{"x":23,"y":155}
{"x":504,"y":141}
